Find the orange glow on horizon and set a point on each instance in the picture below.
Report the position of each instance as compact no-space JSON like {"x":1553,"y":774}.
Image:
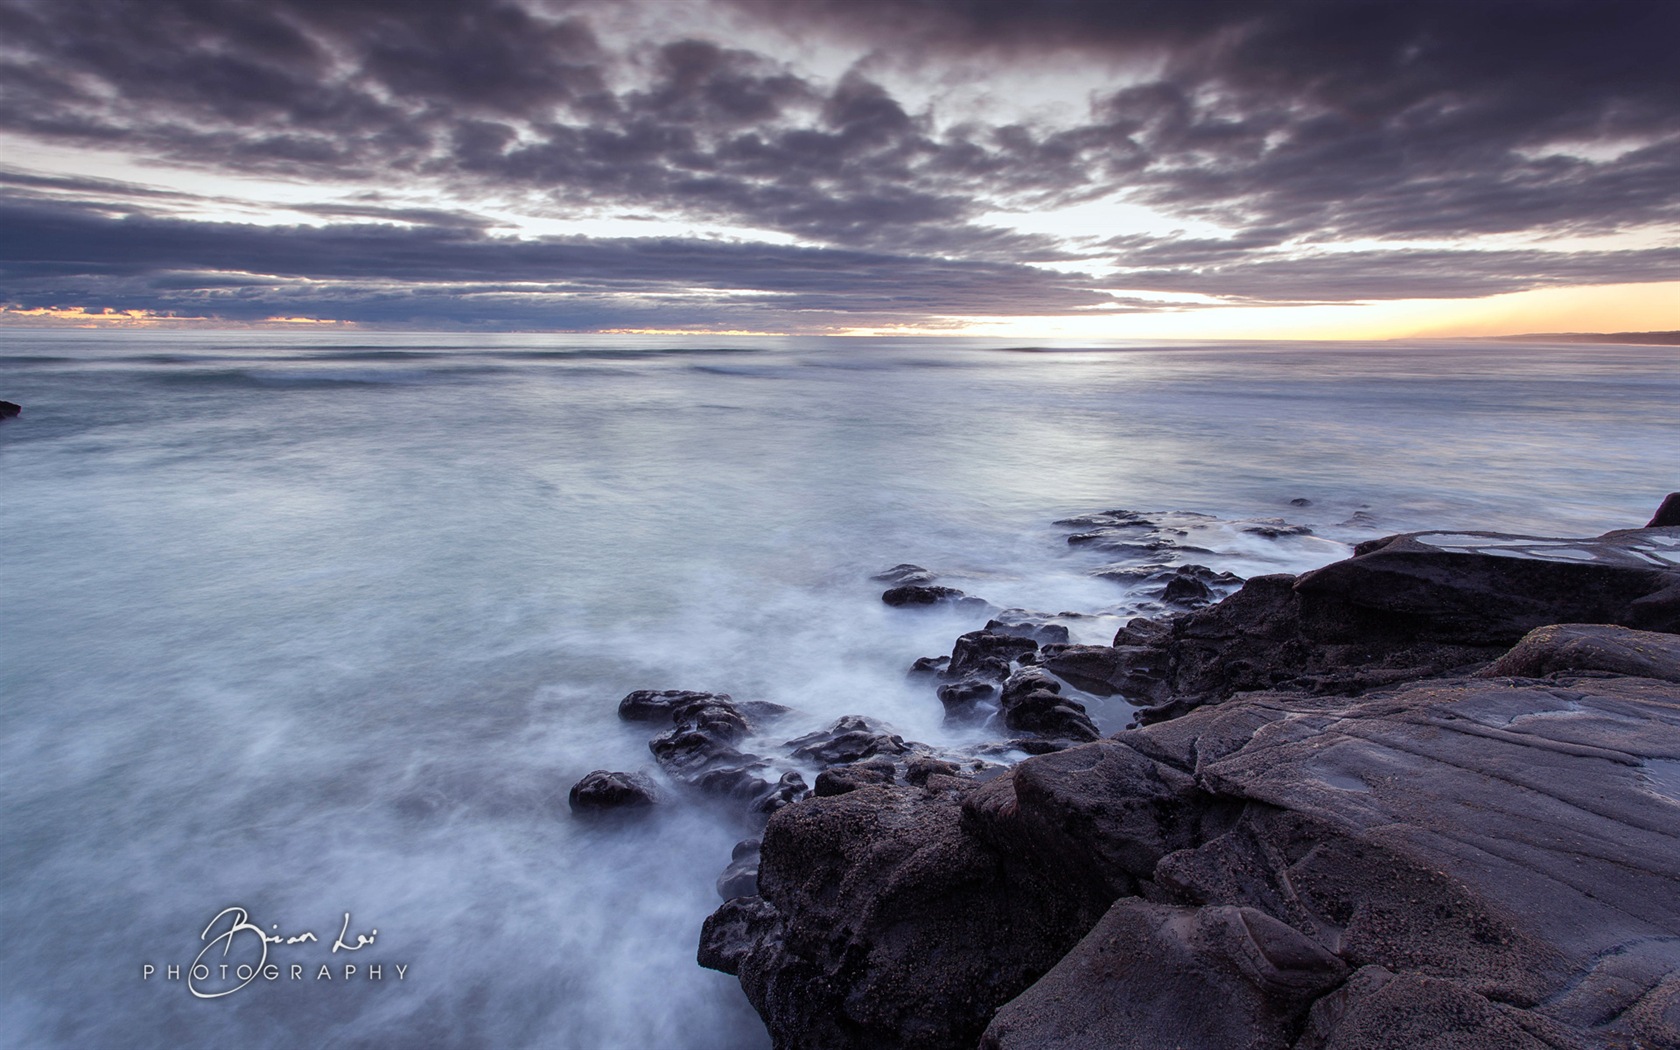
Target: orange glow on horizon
{"x":108,"y":317}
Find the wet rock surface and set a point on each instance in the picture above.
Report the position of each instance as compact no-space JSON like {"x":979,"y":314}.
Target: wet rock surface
{"x":927,"y":594}
{"x":1429,"y":795}
{"x":603,"y":791}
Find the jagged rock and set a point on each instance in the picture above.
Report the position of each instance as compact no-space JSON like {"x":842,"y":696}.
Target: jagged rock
{"x":1107,"y":518}
{"x":1021,"y":624}
{"x":602,"y":791}
{"x":1184,"y":585}
{"x":881,"y":923}
{"x":740,"y":878}
{"x":658,"y":705}
{"x":1186,"y":590}
{"x":986,"y":654}
{"x":920,"y":768}
{"x":922,"y":594}
{"x":930,"y":665}
{"x":10,"y":410}
{"x":837,"y":780}
{"x":1402,"y":608}
{"x":964,"y":701}
{"x":789,"y":789}
{"x":1052,"y":716}
{"x":847,"y":740}
{"x":699,"y":749}
{"x":1590,"y":647}
{"x":905,"y":573}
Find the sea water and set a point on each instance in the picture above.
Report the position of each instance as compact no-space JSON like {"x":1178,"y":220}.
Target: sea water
{"x":323,"y":627}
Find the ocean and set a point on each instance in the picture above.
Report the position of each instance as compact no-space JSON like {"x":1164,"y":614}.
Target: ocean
{"x":324,"y":626}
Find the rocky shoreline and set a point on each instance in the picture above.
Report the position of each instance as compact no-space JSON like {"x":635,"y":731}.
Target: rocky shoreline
{"x":1427,"y":795}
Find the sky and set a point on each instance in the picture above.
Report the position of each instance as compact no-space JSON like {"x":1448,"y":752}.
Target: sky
{"x":1058,"y":169}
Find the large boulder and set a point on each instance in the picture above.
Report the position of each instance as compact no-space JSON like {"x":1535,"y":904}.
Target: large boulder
{"x":1494,"y":861}
{"x":881,"y":922}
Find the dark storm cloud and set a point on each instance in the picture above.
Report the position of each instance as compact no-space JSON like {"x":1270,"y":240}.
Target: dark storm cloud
{"x":1294,"y":124}
{"x":62,"y":256}
{"x":1401,"y":274}
{"x":1344,"y":117}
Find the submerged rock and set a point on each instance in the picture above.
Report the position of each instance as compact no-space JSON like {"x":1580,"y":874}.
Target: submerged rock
{"x":923,"y":594}
{"x":847,"y":740}
{"x":905,"y":573}
{"x":1274,"y":528}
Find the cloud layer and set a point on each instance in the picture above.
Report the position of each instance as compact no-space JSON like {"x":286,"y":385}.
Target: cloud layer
{"x":829,"y":164}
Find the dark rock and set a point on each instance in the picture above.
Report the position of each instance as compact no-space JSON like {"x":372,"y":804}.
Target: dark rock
{"x":1186,"y":590}
{"x":740,"y":878}
{"x":789,"y":789}
{"x":1490,"y":589}
{"x":905,"y":573}
{"x":1262,"y":974}
{"x":1185,"y":585}
{"x":1050,"y":715}
{"x":1021,"y":624}
{"x":1032,"y":703}
{"x":929,"y":665}
{"x":1402,"y":608}
{"x":760,"y":712}
{"x":734,"y":930}
{"x":837,"y":780}
{"x":10,"y":410}
{"x":881,"y":922}
{"x":1273,"y":528}
{"x":1498,"y":864}
{"x":918,"y":769}
{"x":1667,"y":515}
{"x":921,"y":594}
{"x":963,"y":699}
{"x":1025,"y":682}
{"x":1300,"y":501}
{"x":986,"y":654}
{"x":658,"y":705}
{"x":847,"y":740}
{"x":1590,"y":647}
{"x":602,"y":791}
{"x":1107,"y":518}
{"x":699,"y":749}
{"x":732,"y":775}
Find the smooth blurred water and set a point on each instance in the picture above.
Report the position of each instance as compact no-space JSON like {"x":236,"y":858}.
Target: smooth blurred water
{"x":322,"y":624}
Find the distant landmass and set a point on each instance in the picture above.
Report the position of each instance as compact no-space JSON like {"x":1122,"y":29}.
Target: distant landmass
{"x":1653,"y":338}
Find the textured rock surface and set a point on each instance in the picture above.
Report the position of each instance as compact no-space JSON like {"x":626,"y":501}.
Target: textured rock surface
{"x":1404,"y":608}
{"x":603,"y":791}
{"x":1497,"y":861}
